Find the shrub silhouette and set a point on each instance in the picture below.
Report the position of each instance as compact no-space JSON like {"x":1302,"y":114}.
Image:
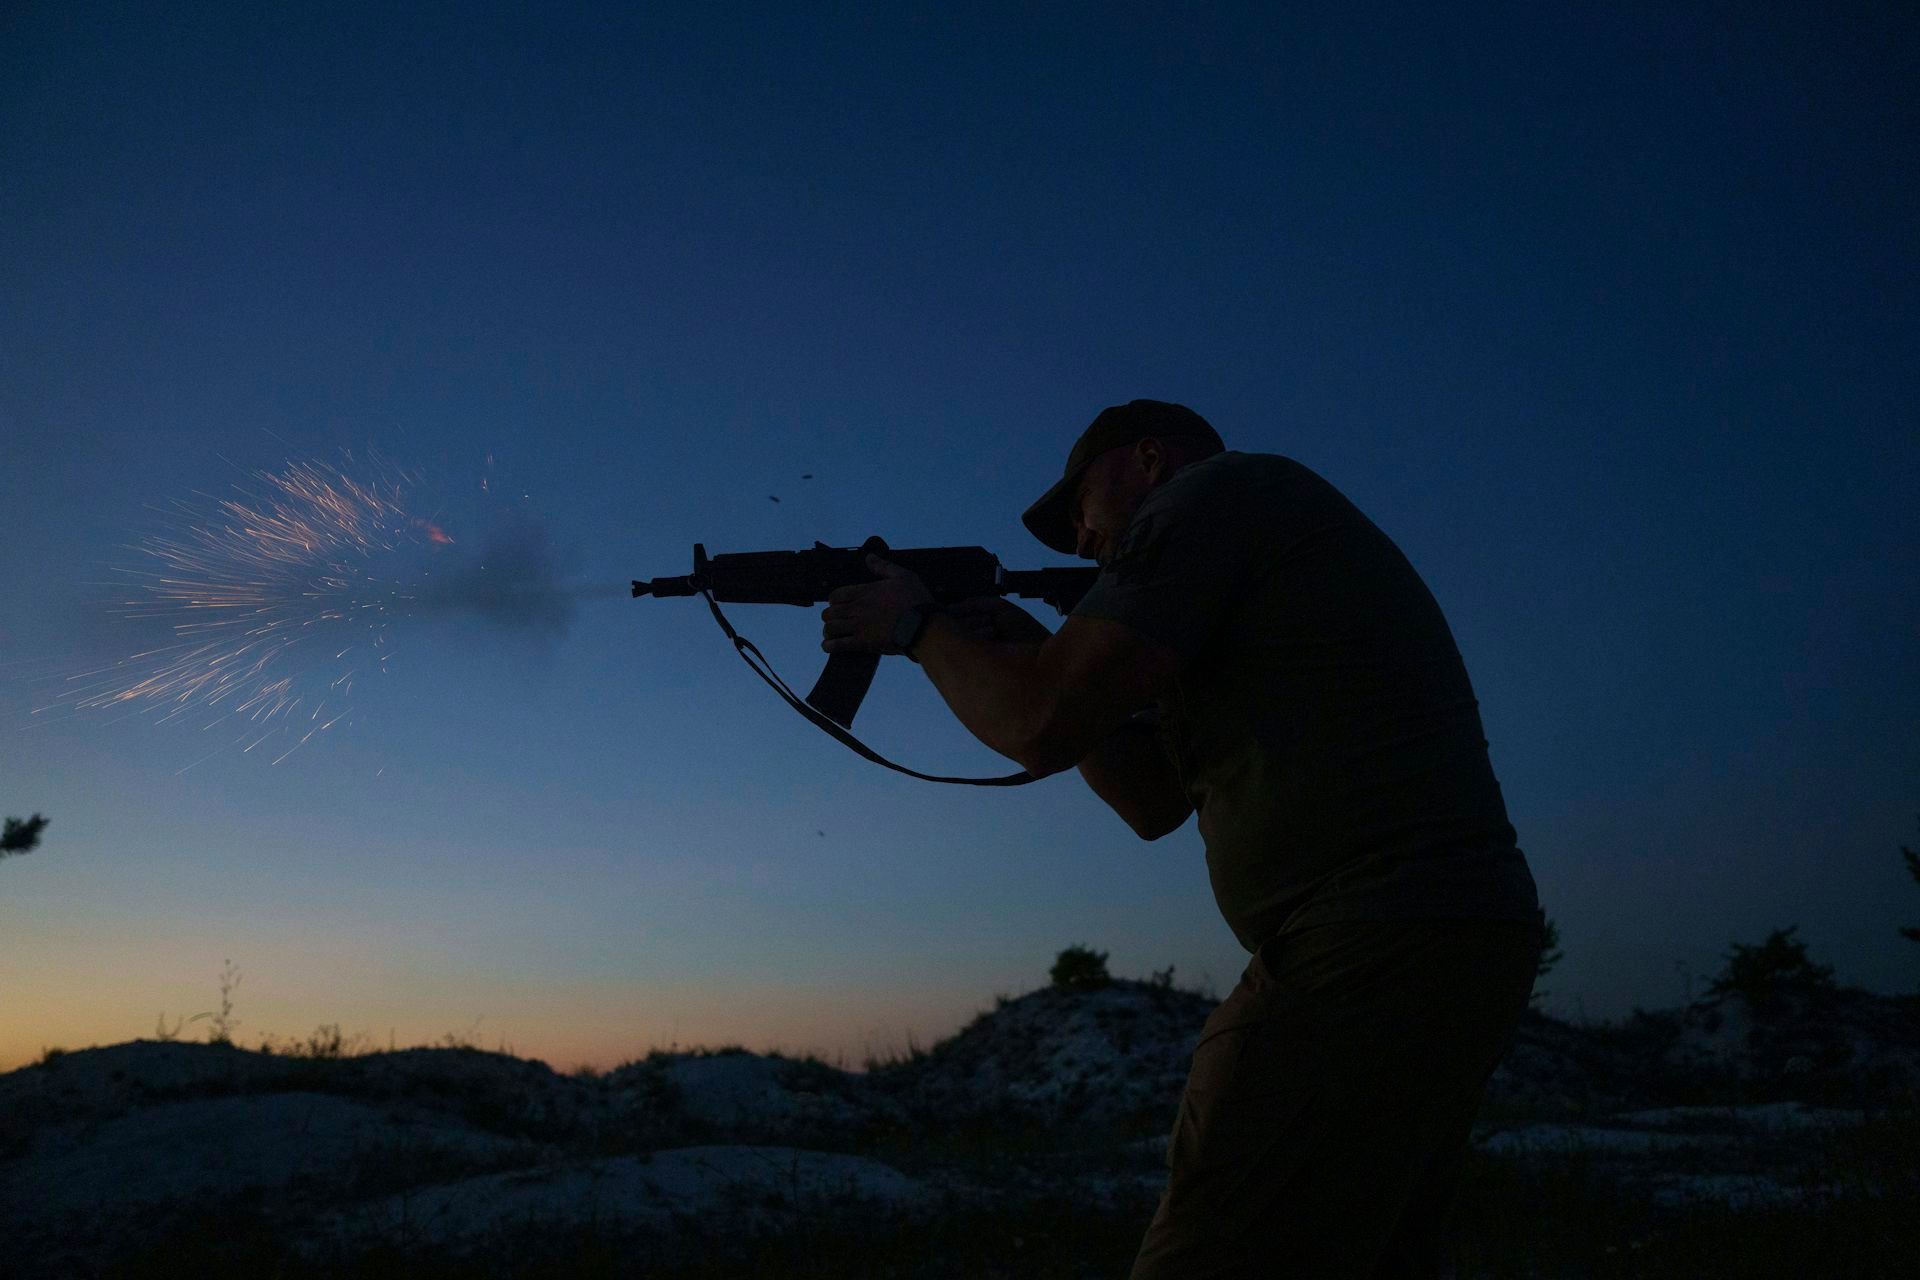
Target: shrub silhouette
{"x":1913,"y":869}
{"x":21,"y":835}
{"x":1080,"y":969}
{"x":1776,"y":968}
{"x":1550,"y":956}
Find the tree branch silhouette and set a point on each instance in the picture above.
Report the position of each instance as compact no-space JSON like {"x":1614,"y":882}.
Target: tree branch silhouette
{"x":21,"y":835}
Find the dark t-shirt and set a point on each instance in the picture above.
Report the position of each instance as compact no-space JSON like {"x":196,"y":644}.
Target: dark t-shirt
{"x":1322,"y":723}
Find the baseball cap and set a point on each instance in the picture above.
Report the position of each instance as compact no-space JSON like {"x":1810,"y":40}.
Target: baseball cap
{"x":1051,"y":518}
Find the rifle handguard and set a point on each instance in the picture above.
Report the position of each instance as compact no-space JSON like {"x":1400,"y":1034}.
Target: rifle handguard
{"x":806,"y":577}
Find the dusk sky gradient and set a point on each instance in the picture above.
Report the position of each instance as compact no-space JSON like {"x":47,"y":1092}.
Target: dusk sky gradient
{"x":1605,"y":316}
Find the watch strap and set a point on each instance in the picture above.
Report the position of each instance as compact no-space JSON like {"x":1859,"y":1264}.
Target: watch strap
{"x":924,"y":613}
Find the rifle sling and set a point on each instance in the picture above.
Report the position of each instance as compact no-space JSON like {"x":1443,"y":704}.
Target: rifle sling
{"x":751,"y":655}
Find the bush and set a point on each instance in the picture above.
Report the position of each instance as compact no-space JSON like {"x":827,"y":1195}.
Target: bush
{"x":1549,"y":956}
{"x":1080,"y":969}
{"x":1777,"y":967}
{"x":1913,"y":869}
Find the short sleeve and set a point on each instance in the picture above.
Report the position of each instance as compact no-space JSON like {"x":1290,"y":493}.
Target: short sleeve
{"x":1184,"y":562}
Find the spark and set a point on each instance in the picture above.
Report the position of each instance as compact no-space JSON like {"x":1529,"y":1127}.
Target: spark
{"x":257,"y":588}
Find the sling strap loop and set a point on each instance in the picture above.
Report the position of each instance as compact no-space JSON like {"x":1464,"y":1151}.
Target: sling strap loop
{"x":751,"y":655}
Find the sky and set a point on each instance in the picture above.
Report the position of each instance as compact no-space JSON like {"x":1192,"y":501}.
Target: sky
{"x":1605,"y":317}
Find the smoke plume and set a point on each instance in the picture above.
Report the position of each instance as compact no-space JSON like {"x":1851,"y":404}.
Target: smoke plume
{"x":512,"y":576}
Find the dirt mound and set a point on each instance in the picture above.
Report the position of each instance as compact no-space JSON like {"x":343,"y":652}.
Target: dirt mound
{"x":1115,"y":1055}
{"x":1059,"y":1097}
{"x":1842,"y":1046}
{"x":736,"y":1096}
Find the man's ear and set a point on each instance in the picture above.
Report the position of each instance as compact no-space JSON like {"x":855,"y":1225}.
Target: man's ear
{"x":1153,"y":458}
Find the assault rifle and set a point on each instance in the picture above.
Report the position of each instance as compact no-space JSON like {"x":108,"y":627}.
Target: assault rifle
{"x":807,"y":577}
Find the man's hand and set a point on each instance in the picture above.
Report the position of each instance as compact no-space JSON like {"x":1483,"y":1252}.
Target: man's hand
{"x":861,"y":618}
{"x":992,"y":620}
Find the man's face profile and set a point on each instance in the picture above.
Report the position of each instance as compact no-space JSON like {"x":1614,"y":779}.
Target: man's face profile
{"x":1110,"y":491}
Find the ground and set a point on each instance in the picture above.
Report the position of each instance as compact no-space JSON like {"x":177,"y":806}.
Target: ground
{"x":1721,"y":1139}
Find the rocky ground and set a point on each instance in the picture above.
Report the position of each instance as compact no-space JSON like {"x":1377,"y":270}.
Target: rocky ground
{"x":139,"y":1158}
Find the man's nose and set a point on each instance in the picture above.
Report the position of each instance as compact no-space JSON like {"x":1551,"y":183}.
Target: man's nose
{"x":1084,"y":542}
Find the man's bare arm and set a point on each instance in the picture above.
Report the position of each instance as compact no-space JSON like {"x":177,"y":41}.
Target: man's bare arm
{"x":1051,"y":707}
{"x":1047,"y":707}
{"x":1131,"y":772}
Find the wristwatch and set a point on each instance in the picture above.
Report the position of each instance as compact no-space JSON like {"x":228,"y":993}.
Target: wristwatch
{"x":910,"y":626}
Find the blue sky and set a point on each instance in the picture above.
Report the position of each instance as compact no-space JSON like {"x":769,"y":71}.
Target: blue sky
{"x":1606,"y":318}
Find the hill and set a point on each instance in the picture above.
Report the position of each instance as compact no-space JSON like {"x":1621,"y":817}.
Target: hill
{"x":1030,"y":1142}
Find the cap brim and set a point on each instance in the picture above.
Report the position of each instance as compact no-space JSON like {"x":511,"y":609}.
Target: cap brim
{"x":1050,"y":519}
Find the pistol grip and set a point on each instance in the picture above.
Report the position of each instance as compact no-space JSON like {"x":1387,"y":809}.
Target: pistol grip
{"x":842,"y":686}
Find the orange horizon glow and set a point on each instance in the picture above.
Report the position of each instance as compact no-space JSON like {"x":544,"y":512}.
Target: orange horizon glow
{"x":566,"y":1029}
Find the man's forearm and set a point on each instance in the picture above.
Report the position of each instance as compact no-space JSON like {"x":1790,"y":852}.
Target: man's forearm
{"x":995,"y":690}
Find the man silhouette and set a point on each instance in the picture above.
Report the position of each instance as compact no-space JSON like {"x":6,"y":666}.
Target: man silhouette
{"x":1257,"y":652}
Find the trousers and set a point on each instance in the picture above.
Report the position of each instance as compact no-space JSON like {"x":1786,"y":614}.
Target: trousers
{"x":1331,"y":1099}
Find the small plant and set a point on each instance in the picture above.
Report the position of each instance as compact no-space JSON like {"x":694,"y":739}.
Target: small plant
{"x":1079,"y":968}
{"x":323,"y":1044}
{"x":1777,"y":967}
{"x":326,"y":1042}
{"x":1550,"y":955}
{"x":893,"y":1057}
{"x":220,"y":1025}
{"x":168,"y":1034}
{"x":468,"y":1039}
